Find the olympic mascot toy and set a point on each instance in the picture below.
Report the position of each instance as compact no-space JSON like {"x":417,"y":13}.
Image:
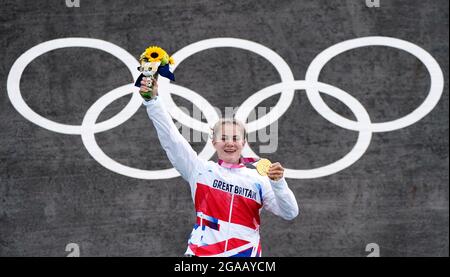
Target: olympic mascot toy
{"x":154,"y":61}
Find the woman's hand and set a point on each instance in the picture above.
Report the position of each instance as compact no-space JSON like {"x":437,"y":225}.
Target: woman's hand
{"x":144,"y":90}
{"x":275,"y":172}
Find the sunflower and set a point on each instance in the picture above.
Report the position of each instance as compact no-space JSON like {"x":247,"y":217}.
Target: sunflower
{"x":155,"y":54}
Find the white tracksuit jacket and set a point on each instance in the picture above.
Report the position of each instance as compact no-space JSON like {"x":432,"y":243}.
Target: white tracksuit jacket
{"x":228,"y":201}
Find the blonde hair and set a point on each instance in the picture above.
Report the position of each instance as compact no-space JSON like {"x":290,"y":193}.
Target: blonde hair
{"x":219,"y":124}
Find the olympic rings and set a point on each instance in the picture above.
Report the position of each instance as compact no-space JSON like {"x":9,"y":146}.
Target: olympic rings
{"x":15,"y":74}
{"x":280,"y":65}
{"x":436,"y":86}
{"x":286,"y":87}
{"x":358,"y":110}
{"x":88,"y":137}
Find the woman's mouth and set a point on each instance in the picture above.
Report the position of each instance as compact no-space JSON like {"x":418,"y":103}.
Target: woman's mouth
{"x":229,"y":151}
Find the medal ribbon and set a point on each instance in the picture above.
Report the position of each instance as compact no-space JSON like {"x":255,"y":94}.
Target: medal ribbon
{"x":242,"y":162}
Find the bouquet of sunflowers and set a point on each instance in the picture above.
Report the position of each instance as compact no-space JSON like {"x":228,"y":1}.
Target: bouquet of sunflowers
{"x":154,"y":61}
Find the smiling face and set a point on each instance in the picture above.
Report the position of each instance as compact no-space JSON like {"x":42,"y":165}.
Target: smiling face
{"x":229,"y":140}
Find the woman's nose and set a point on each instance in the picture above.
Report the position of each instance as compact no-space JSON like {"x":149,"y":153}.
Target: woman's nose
{"x":228,"y":142}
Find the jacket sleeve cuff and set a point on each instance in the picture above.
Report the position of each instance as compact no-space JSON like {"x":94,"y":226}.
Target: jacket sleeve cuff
{"x":150,"y":102}
{"x":280,"y":184}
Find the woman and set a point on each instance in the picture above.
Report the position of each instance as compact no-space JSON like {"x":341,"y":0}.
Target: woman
{"x":228,"y":196}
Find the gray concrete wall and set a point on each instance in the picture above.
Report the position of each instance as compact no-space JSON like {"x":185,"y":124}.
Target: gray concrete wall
{"x":52,"y":192}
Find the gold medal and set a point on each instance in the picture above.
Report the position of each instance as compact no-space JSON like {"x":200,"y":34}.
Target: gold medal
{"x":263,"y":166}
